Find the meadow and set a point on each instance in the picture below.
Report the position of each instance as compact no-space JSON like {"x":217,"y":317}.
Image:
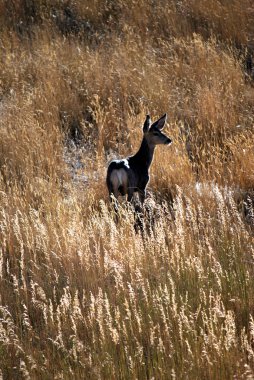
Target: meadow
{"x":81,"y":295}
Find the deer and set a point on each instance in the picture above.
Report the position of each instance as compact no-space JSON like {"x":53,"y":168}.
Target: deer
{"x":130,"y":175}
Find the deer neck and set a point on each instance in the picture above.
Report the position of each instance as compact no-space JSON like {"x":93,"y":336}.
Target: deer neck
{"x":144,"y":156}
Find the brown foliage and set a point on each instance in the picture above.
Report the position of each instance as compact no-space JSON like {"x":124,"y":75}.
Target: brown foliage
{"x":79,"y":294}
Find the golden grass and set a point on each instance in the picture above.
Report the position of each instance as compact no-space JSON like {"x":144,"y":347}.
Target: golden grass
{"x":82,"y":296}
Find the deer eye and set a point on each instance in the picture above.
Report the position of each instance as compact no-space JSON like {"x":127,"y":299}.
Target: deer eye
{"x":156,"y":133}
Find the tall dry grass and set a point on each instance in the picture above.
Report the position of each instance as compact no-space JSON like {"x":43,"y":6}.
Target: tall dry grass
{"x":82,"y":296}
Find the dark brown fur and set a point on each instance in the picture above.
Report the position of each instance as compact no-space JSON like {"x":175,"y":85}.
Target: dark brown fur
{"x":129,"y":175}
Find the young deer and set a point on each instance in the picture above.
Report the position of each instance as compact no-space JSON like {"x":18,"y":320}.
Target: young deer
{"x":132,"y":173}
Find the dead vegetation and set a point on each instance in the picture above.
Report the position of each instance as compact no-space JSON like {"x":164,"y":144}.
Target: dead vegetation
{"x":79,"y":295}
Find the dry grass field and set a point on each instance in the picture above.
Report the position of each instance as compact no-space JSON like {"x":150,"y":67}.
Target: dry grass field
{"x":84,"y":297}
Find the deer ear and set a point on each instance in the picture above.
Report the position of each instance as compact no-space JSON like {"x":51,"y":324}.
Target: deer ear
{"x":147,"y":124}
{"x":160,"y":123}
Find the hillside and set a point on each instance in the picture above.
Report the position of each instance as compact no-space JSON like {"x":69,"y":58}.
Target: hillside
{"x":84,"y":296}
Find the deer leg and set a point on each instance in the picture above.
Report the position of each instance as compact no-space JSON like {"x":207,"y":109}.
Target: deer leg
{"x":142,"y":189}
{"x":130,"y":194}
{"x":142,"y":195}
{"x":139,"y":211}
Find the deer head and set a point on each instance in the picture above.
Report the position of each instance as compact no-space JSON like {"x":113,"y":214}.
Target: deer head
{"x":153,"y":134}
